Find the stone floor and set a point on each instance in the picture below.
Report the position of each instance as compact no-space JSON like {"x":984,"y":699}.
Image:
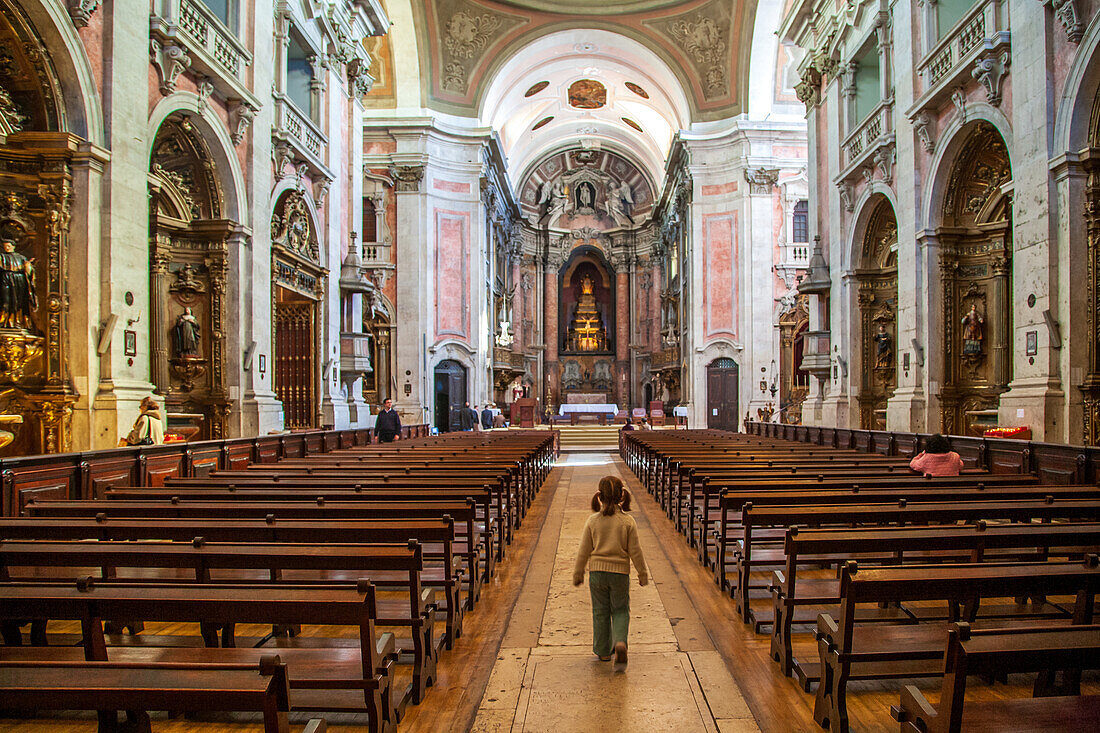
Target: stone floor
{"x":546,"y":677}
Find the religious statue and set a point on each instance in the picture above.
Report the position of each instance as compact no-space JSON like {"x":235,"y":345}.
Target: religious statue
{"x":620,"y":204}
{"x":187,"y":334}
{"x":187,"y":279}
{"x":18,"y":299}
{"x":884,"y":348}
{"x":972,"y":324}
{"x":586,"y":195}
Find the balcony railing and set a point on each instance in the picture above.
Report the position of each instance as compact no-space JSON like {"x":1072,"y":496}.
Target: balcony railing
{"x":796,"y":255}
{"x":950,"y":61}
{"x":210,"y":35}
{"x":862,"y":140}
{"x":214,"y":51}
{"x":375,"y":253}
{"x":300,"y":131}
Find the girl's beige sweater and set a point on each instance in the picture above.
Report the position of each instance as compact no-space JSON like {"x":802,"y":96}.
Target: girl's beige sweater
{"x":609,"y":544}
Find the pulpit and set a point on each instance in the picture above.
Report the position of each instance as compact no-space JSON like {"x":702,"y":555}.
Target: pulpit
{"x":524,"y":412}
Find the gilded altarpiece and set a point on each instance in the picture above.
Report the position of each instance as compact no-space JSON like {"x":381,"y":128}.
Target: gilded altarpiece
{"x":188,"y":270}
{"x":36,"y":159}
{"x":975,"y":267}
{"x":794,"y":382}
{"x":1090,"y":388}
{"x":299,"y":283}
{"x":878,"y":307}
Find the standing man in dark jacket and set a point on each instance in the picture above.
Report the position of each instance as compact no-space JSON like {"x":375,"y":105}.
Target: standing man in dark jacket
{"x":387,"y":426}
{"x":486,"y":418}
{"x":467,"y":417}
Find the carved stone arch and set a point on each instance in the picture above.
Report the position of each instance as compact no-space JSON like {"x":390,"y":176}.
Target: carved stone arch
{"x":974,"y":229}
{"x":877,"y":296}
{"x":205,"y":124}
{"x":1072,"y":125}
{"x":951,"y":141}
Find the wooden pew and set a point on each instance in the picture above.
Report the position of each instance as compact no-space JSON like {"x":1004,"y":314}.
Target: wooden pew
{"x":465,"y":513}
{"x":443,"y":569}
{"x":995,"y":652}
{"x":348,"y":679}
{"x":112,"y":686}
{"x":850,"y":651}
{"x":753,"y":518}
{"x":979,"y":542}
{"x":412,"y":609}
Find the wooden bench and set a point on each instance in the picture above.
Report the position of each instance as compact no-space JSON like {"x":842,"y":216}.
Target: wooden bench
{"x":754,"y":518}
{"x":995,"y":652}
{"x":337,"y":679}
{"x":980,"y":542}
{"x":443,"y":569}
{"x":413,"y":608}
{"x":108,"y":687}
{"x":851,"y":651}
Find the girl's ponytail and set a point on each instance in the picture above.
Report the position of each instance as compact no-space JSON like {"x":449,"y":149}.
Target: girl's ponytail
{"x":611,"y":495}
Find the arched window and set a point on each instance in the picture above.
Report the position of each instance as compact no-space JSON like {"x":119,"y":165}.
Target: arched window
{"x":299,"y":77}
{"x":801,"y":225}
{"x":370,"y":222}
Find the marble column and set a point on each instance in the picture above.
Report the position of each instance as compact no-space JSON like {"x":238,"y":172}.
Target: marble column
{"x":622,"y":335}
{"x":517,"y":306}
{"x":159,"y":301}
{"x":550,"y":329}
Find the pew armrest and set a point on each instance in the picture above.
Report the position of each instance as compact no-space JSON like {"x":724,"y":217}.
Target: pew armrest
{"x":317,"y":725}
{"x":913,"y":711}
{"x":385,"y":646}
{"x":827,"y":629}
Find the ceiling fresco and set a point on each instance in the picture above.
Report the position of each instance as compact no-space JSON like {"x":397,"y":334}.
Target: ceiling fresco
{"x":705,"y":42}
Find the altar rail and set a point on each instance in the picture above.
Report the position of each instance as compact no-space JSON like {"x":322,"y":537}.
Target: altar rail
{"x":1053,"y":463}
{"x":87,"y":474}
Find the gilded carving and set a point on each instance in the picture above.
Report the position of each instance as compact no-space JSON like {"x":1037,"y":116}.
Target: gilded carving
{"x":291,"y":228}
{"x":12,"y":118}
{"x":877,"y":298}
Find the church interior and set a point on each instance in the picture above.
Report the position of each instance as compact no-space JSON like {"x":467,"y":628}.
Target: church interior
{"x":322,"y":322}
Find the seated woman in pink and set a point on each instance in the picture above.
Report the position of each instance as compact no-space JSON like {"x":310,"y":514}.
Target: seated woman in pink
{"x":937,"y":459}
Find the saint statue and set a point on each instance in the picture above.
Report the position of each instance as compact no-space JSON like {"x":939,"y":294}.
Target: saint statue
{"x":586,"y":195}
{"x":620,"y":204}
{"x":884,"y":348}
{"x":972,"y":324}
{"x":18,"y":299}
{"x":187,"y":334}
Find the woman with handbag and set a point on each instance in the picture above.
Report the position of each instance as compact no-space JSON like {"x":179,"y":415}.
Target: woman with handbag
{"x":148,"y":428}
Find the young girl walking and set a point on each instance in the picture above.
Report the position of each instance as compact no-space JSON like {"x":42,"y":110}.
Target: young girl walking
{"x":608,"y":544}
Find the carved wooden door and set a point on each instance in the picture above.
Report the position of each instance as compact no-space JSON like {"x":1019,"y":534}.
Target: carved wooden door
{"x":295,"y":363}
{"x":450,"y":394}
{"x":722,"y":395}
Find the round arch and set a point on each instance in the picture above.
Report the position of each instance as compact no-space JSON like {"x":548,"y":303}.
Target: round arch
{"x":80,"y":94}
{"x":213,"y":131}
{"x":1071,"y":123}
{"x":865,"y":207}
{"x":947,"y":149}
{"x":290,"y":183}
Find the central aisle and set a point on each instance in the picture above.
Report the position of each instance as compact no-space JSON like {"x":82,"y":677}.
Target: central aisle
{"x":546,"y":677}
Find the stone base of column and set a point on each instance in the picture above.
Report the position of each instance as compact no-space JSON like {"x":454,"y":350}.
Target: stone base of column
{"x":1038,"y":403}
{"x":907,"y":410}
{"x":114,"y":411}
{"x":836,"y":412}
{"x":335,"y":412}
{"x":261,"y":414}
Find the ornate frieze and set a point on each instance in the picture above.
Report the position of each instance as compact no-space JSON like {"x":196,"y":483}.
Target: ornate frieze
{"x":761,"y":180}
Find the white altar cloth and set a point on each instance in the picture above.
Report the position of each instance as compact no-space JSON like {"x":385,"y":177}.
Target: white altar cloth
{"x":680,"y":411}
{"x":610,"y":409}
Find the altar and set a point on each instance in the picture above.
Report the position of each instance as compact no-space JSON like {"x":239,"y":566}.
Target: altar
{"x":605,"y":408}
{"x":586,"y":398}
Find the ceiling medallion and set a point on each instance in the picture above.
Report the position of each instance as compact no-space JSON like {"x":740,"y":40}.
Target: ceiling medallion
{"x":587,"y":94}
{"x":542,"y":123}
{"x":637,"y":90}
{"x":536,"y":88}
{"x":633,"y":124}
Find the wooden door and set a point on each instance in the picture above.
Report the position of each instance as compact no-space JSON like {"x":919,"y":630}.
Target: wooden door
{"x":722,"y":395}
{"x":450,"y":394}
{"x":295,"y":363}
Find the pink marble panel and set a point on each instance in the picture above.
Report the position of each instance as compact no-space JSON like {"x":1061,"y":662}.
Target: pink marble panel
{"x":717,"y":189}
{"x":450,"y":186}
{"x":452,"y":275}
{"x":719,"y":275}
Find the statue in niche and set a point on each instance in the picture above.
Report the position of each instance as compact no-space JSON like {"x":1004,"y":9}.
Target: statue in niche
{"x":18,"y":299}
{"x":586,"y":196}
{"x":620,"y":204}
{"x":973,"y":334}
{"x":884,"y":348}
{"x":186,"y":332}
{"x":551,"y":198}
